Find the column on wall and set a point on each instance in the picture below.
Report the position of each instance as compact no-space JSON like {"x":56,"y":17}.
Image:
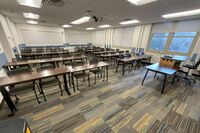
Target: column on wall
{"x":6,"y":38}
{"x":108,"y":36}
{"x":141,"y":36}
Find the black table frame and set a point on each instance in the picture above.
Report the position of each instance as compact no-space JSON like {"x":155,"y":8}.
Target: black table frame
{"x":165,"y":78}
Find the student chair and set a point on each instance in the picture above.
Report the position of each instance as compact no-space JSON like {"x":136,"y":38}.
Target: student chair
{"x":189,"y":66}
{"x":22,"y":88}
{"x":50,"y":81}
{"x":97,"y":71}
{"x":81,"y":75}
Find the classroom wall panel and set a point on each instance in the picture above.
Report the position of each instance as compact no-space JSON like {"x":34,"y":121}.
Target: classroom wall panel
{"x":78,"y":36}
{"x":123,"y":37}
{"x":33,"y":35}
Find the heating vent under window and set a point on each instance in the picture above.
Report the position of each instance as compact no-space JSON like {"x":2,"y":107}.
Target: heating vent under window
{"x":59,"y":3}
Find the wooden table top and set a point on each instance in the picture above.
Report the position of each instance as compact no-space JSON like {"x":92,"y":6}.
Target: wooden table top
{"x":131,"y":58}
{"x":177,"y":58}
{"x":26,"y":77}
{"x":102,"y":52}
{"x":45,"y":53}
{"x":18,"y":63}
{"x":158,"y":68}
{"x":87,"y":67}
{"x":111,"y":55}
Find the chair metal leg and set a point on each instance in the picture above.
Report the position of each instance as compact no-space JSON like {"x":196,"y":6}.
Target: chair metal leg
{"x":88,"y":79}
{"x":61,"y":91}
{"x":77,"y":84}
{"x":104,"y":76}
{"x":17,"y":99}
{"x":95,"y":78}
{"x":42,"y":92}
{"x":36,"y":94}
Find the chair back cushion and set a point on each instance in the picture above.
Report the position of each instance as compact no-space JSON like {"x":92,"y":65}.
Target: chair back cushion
{"x":45,"y":67}
{"x":19,"y":71}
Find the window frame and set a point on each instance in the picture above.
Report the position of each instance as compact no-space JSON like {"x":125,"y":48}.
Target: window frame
{"x":168,"y":43}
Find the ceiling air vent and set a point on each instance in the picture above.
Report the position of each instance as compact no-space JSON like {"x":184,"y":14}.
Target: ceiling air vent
{"x":59,"y":3}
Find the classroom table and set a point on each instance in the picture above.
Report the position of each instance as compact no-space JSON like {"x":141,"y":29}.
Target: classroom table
{"x":26,"y":77}
{"x":9,"y":65}
{"x":157,"y":68}
{"x":51,"y":53}
{"x":33,"y":76}
{"x":126,"y":60}
{"x":104,"y":52}
{"x":87,"y":67}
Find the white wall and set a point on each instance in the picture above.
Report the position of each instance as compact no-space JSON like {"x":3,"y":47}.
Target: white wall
{"x":40,"y":35}
{"x":78,"y":36}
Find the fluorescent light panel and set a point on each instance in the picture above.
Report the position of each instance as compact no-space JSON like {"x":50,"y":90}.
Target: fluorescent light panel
{"x":141,"y":2}
{"x":81,"y":20}
{"x":104,"y":26}
{"x":31,"y":15}
{"x":32,"y":22}
{"x":31,"y":3}
{"x":182,"y":14}
{"x":90,"y":28}
{"x":66,"y":26}
{"x":129,"y":22}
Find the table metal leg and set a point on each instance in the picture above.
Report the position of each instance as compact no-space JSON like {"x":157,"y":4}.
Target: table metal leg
{"x":106,"y":73}
{"x":145,"y":76}
{"x":66,"y":86}
{"x":117,"y":66}
{"x":164,"y":84}
{"x":72,"y":80}
{"x":123,"y":68}
{"x":155,"y":75}
{"x":8,"y":100}
{"x":69,"y":77}
{"x":173,"y":79}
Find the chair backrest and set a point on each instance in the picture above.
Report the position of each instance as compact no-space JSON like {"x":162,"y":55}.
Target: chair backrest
{"x":48,"y":66}
{"x":66,"y":55}
{"x":19,"y":71}
{"x":94,"y":60}
{"x":133,"y":50}
{"x":141,"y":51}
{"x":128,"y":55}
{"x":121,"y":56}
{"x":77,"y":54}
{"x":194,"y":56}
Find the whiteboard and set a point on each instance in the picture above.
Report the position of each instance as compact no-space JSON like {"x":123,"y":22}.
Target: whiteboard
{"x":38,"y":37}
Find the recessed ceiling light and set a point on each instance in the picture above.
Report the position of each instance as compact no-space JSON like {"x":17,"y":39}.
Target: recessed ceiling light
{"x":104,"y":26}
{"x":32,"y":22}
{"x":129,"y":22}
{"x":31,"y":3}
{"x":81,"y":20}
{"x":141,"y":2}
{"x":90,"y":28}
{"x":182,"y":14}
{"x":31,"y":15}
{"x":66,"y":26}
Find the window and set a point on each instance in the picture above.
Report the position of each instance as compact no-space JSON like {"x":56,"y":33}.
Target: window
{"x":182,"y":42}
{"x":178,"y":42}
{"x":158,"y":41}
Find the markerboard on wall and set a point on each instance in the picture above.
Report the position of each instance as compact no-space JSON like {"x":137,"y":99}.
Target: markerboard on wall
{"x":38,"y":37}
